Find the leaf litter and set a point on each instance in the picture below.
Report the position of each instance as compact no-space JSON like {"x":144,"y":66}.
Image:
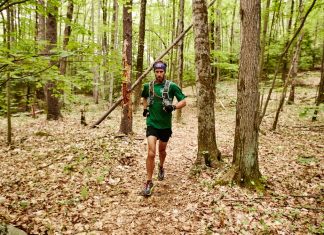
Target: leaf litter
{"x":63,"y":178}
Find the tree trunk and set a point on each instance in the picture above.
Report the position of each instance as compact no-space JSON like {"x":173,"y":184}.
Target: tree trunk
{"x":67,"y":34}
{"x":208,"y":153}
{"x":95,"y":68}
{"x":285,"y":57}
{"x":127,"y":115}
{"x":51,"y":91}
{"x":113,"y":47}
{"x":232,"y":38}
{"x":245,"y":154}
{"x":320,"y":95}
{"x":287,"y":83}
{"x":291,"y":97}
{"x":218,"y":41}
{"x":104,"y":47}
{"x":7,"y":33}
{"x":140,"y":54}
{"x":180,"y":53}
{"x":264,"y":36}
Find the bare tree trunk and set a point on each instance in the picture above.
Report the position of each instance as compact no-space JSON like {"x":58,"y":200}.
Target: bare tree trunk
{"x":208,"y":153}
{"x":104,"y":46}
{"x":51,"y":90}
{"x":232,"y":37}
{"x":7,"y":31}
{"x":218,"y":41}
{"x":95,"y":68}
{"x":245,"y":154}
{"x":320,"y":94}
{"x":126,"y":124}
{"x":113,"y":47}
{"x":264,"y":36}
{"x":173,"y":33}
{"x":285,"y":57}
{"x":180,"y":53}
{"x":287,"y":83}
{"x":291,"y":97}
{"x":67,"y":34}
{"x":140,"y":54}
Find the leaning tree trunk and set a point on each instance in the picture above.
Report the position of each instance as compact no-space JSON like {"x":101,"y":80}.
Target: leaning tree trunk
{"x":140,"y":54}
{"x":180,"y":53}
{"x":208,"y":153}
{"x":287,"y":83}
{"x":51,"y":90}
{"x":127,"y":115}
{"x":245,"y":154}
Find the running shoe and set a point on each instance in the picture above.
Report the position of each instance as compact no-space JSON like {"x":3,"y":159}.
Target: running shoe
{"x":160,"y":173}
{"x":148,"y":189}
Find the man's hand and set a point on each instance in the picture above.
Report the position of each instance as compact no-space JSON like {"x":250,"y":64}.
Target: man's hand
{"x":169,"y":108}
{"x":146,"y":113}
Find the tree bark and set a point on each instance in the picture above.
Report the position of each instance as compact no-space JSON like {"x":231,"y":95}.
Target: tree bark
{"x":140,"y":54}
{"x":127,"y":115}
{"x":245,"y":154}
{"x":208,"y":153}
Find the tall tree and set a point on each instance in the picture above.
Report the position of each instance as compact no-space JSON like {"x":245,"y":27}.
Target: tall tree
{"x":245,"y":154}
{"x":51,"y":90}
{"x":264,"y":35}
{"x":113,"y":47}
{"x":284,"y":69}
{"x":67,"y":34}
{"x":8,"y":38}
{"x":140,"y":54}
{"x":180,"y":53}
{"x":208,"y":153}
{"x":126,"y":124}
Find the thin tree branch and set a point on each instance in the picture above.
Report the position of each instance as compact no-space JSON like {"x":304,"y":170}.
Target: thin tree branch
{"x":2,"y":7}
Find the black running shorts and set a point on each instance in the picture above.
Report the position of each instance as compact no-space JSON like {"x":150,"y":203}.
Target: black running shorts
{"x":161,"y":134}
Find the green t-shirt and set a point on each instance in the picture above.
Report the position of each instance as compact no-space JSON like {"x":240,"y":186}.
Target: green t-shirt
{"x":159,"y":118}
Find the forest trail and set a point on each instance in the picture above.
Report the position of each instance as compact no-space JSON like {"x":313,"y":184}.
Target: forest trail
{"x":63,"y":178}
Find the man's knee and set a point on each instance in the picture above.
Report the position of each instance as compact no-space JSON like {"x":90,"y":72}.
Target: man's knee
{"x":151,"y":153}
{"x":162,"y":151}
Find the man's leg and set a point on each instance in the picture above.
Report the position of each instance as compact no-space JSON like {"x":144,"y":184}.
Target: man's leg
{"x":151,"y":146}
{"x":162,"y":152}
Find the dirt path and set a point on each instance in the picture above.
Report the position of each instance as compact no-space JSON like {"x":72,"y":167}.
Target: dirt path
{"x":62,"y":178}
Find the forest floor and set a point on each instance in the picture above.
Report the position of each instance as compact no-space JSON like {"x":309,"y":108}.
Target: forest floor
{"x":60,"y":177}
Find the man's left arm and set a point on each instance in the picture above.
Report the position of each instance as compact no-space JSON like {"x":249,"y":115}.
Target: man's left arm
{"x":180,"y":104}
